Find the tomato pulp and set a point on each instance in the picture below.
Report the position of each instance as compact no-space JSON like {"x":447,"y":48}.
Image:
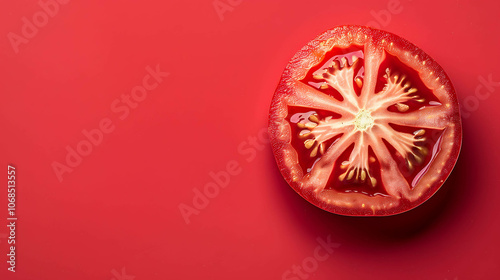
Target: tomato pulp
{"x":364,"y":123}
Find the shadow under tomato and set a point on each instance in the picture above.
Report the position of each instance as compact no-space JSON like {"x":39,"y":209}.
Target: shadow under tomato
{"x":387,"y":230}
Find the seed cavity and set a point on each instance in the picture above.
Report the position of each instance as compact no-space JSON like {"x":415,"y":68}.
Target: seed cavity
{"x":357,"y":175}
{"x":307,"y":131}
{"x":398,"y":90}
{"x":417,"y":153}
{"x":423,"y":151}
{"x":419,"y":159}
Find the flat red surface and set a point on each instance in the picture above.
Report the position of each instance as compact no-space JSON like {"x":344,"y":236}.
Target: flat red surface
{"x":116,"y":215}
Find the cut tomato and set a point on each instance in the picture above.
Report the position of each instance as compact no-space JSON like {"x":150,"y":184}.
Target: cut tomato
{"x":363,"y":122}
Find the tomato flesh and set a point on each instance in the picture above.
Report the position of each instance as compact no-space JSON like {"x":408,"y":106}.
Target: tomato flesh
{"x":364,"y":123}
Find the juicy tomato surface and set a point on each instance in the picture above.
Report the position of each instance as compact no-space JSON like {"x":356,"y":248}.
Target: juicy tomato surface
{"x":364,"y":123}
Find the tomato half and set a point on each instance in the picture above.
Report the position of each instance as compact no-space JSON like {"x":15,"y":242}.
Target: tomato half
{"x":364,"y":123}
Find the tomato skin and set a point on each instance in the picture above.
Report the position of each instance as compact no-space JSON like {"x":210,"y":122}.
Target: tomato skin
{"x":357,"y":204}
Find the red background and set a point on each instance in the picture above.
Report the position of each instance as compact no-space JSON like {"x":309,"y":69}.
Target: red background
{"x":120,"y":207}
